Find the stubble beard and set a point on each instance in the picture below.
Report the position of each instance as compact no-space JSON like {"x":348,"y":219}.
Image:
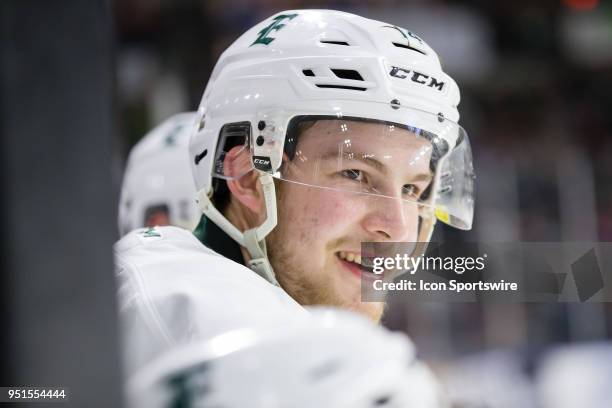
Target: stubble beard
{"x":308,"y":288}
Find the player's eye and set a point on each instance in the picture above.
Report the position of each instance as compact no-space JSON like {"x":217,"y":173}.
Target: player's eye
{"x":352,"y":174}
{"x":411,"y":190}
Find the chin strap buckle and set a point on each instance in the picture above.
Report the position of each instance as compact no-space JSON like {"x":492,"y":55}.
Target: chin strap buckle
{"x":259,"y":259}
{"x":262,"y":267}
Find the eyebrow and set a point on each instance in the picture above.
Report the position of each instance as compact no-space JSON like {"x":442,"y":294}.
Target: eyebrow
{"x":370,"y":161}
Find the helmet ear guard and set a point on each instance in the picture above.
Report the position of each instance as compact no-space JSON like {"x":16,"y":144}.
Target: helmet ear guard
{"x":232,"y":135}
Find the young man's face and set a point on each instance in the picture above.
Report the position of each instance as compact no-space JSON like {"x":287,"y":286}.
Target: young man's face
{"x":349,"y":182}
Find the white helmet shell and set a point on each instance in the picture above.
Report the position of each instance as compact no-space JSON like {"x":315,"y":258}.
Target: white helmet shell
{"x":300,"y":59}
{"x":334,"y":359}
{"x":157,"y":177}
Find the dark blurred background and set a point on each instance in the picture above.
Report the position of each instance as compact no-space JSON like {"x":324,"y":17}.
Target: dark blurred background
{"x":536,"y":84}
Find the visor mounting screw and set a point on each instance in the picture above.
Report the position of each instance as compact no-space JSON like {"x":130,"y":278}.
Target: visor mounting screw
{"x":440,"y":117}
{"x":260,"y":140}
{"x":261,"y":125}
{"x":395,"y":104}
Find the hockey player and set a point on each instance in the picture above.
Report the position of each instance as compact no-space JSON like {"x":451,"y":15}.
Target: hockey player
{"x":158,"y":187}
{"x":318,"y":130}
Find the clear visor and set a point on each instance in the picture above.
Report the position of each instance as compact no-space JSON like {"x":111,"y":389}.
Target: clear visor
{"x":376,"y":158}
{"x":397,"y":155}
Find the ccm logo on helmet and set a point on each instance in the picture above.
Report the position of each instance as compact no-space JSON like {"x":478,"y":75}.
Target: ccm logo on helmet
{"x":417,"y":77}
{"x":262,"y":163}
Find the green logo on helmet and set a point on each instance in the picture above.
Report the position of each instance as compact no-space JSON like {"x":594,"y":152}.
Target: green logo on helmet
{"x":151,"y":232}
{"x":405,"y":34}
{"x":170,"y":139}
{"x":275,"y":26}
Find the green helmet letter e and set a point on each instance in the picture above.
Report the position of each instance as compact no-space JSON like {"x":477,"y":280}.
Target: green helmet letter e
{"x":275,"y":26}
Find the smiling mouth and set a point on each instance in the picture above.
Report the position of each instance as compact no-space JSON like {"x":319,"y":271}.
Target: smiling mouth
{"x":356,"y":262}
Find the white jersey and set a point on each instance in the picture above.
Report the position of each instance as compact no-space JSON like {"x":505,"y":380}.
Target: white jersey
{"x":174,"y":290}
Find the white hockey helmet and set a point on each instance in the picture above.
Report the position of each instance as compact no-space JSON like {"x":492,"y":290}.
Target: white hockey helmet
{"x":371,"y":93}
{"x":158,"y":188}
{"x":335,"y":359}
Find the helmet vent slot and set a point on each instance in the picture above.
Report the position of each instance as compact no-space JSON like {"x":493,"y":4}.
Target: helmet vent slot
{"x":352,"y":88}
{"x":409,"y":48}
{"x":308,"y":72}
{"x":334,"y":42}
{"x":347,"y":74}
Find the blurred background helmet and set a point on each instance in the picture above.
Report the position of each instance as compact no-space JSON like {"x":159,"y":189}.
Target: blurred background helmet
{"x":335,"y":359}
{"x":158,"y":187}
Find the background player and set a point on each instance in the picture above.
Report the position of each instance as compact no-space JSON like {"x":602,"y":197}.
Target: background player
{"x":158,"y":188}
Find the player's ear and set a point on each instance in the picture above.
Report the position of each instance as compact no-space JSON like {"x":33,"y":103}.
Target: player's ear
{"x":244,"y":183}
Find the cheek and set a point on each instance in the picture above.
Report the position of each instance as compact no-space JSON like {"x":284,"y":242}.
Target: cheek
{"x":331,"y":211}
{"x":319,"y":215}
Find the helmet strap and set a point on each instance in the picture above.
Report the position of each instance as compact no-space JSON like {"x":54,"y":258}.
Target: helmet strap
{"x":253,"y":239}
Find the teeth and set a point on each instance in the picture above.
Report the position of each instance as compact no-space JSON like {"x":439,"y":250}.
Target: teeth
{"x":349,"y":256}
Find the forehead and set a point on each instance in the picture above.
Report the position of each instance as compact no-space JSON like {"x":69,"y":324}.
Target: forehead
{"x":328,"y":136}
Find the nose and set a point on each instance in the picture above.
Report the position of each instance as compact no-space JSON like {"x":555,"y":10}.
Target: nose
{"x":392,"y":219}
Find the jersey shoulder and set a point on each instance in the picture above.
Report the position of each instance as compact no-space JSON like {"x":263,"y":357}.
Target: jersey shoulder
{"x":174,"y":290}
{"x":171,"y":258}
